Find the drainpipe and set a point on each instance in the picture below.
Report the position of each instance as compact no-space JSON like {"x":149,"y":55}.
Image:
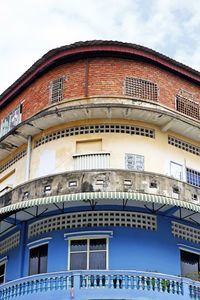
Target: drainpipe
{"x":28,"y":159}
{"x":86,"y":77}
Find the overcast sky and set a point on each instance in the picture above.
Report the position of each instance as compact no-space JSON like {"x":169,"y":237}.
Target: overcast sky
{"x":30,"y":28}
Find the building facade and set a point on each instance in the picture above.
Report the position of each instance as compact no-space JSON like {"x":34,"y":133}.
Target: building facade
{"x":100,"y":176}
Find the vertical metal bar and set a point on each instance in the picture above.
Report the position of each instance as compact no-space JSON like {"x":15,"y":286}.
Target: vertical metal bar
{"x":28,"y":158}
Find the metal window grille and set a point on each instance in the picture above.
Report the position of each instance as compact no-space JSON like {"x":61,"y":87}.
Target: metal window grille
{"x":184,"y":145}
{"x":90,"y":129}
{"x":188,"y":107}
{"x":93,"y":219}
{"x":12,"y":161}
{"x":10,"y":242}
{"x":57,"y":90}
{"x":193,"y":177}
{"x":141,"y":89}
{"x":185,"y":232}
{"x":134,"y":162}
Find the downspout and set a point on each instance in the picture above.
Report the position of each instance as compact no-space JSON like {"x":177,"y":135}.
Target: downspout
{"x":28,"y":158}
{"x":86,"y":78}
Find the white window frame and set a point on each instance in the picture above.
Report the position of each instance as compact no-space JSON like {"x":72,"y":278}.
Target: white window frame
{"x":177,"y":164}
{"x":88,"y":238}
{"x":134,"y":168}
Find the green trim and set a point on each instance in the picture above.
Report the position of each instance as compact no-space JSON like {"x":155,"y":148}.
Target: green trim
{"x":103,"y":196}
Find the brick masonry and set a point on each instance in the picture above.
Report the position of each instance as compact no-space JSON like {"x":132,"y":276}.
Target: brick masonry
{"x":105,"y":77}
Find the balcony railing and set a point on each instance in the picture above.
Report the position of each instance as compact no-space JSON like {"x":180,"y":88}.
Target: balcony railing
{"x":136,"y":281}
{"x":77,"y":281}
{"x":120,"y":281}
{"x":85,"y":161}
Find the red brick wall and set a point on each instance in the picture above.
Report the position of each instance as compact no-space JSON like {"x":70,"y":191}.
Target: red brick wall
{"x":105,"y":77}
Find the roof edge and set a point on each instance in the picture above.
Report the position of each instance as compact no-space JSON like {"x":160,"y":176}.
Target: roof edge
{"x":96,"y":46}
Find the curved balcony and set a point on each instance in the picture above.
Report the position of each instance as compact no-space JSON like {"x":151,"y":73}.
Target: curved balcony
{"x":104,"y":180}
{"x":100,"y":107}
{"x":101,"y":283}
{"x":92,"y":189}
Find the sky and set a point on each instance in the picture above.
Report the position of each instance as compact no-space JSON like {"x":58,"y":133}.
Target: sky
{"x":30,"y":28}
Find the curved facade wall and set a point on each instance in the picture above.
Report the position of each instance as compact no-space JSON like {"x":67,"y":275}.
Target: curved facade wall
{"x":98,"y":77}
{"x":100,"y":177}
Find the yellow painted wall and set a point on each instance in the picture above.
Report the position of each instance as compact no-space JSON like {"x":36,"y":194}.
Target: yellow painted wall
{"x":58,"y":154}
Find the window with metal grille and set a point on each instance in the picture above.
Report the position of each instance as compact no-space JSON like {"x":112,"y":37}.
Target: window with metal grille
{"x":93,"y":219}
{"x":88,"y":254}
{"x":183,"y":145}
{"x":141,"y":89}
{"x":188,"y":107}
{"x":38,"y":259}
{"x":186,"y":232}
{"x":193,"y":177}
{"x":57,"y":90}
{"x":134,"y":162}
{"x":11,"y":120}
{"x":92,"y":129}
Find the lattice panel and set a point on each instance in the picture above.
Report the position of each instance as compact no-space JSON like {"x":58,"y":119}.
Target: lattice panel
{"x":141,"y":89}
{"x":183,"y":145}
{"x":10,"y":242}
{"x":92,"y":219}
{"x":188,"y":107}
{"x":12,"y":161}
{"x":90,"y":129}
{"x":185,"y":232}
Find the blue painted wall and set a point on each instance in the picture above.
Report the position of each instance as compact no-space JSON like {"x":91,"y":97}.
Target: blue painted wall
{"x":129,"y":249}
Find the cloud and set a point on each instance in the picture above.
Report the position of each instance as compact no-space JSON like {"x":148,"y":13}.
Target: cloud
{"x":29,"y":28}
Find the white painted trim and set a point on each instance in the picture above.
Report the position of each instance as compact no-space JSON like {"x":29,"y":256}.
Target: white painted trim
{"x":109,"y":233}
{"x":87,"y":251}
{"x":39,"y":242}
{"x":189,"y":249}
{"x":90,"y":153}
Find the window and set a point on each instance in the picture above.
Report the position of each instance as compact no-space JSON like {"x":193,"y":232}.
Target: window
{"x":88,"y":254}
{"x":38,"y":260}
{"x":141,"y":89}
{"x":134,"y":162}
{"x":176,"y":170}
{"x":193,"y":177}
{"x":190,"y":265}
{"x":187,"y":107}
{"x":12,"y":120}
{"x":57,"y":90}
{"x":2,"y":273}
